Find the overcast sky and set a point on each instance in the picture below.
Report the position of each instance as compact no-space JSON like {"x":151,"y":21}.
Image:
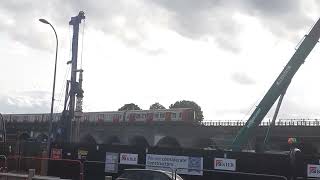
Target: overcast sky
{"x":222,"y":54}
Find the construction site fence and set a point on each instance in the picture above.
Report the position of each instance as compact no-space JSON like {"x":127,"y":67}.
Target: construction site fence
{"x":280,"y":122}
{"x":95,"y":170}
{"x":206,"y":174}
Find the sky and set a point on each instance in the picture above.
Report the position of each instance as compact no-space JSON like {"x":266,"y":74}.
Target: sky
{"x":222,"y":54}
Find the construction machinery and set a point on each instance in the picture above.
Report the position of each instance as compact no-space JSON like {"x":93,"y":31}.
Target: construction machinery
{"x":278,"y":89}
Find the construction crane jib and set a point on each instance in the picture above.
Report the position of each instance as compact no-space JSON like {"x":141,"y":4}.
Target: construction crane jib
{"x":278,"y":88}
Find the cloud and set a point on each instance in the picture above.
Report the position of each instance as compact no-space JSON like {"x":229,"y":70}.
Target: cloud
{"x":25,"y":102}
{"x":202,"y":20}
{"x":283,"y":18}
{"x":196,"y":19}
{"x":19,"y":19}
{"x":242,"y":78}
{"x":129,"y":21}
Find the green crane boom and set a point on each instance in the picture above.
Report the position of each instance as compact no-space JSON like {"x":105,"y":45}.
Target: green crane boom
{"x":277,"y":88}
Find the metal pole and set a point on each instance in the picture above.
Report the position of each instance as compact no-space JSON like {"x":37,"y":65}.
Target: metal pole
{"x":4,"y":134}
{"x":53,"y":88}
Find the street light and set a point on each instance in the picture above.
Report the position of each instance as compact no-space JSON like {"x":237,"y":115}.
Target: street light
{"x":53,"y":89}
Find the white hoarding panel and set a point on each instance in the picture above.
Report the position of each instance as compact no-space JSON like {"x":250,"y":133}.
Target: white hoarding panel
{"x":183,"y":164}
{"x":313,"y":170}
{"x":225,"y":164}
{"x":126,"y":158}
{"x":111,"y":164}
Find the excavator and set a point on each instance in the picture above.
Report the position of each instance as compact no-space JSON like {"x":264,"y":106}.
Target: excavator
{"x":277,"y":90}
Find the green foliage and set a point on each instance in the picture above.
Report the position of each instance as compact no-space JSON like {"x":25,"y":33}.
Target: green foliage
{"x":189,"y":104}
{"x":130,"y":106}
{"x":156,"y":106}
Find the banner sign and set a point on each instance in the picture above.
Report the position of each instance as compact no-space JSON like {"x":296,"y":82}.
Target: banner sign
{"x":183,"y":164}
{"x":225,"y":164}
{"x":56,"y":153}
{"x":126,"y":158}
{"x":111,"y":165}
{"x":313,"y":170}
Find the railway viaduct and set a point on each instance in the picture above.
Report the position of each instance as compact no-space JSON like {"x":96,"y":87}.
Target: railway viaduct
{"x":210,"y":134}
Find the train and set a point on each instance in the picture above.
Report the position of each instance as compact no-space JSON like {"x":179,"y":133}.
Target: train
{"x":129,"y":116}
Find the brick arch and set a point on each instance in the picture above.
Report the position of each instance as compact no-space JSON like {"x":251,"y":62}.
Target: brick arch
{"x":23,"y":136}
{"x":168,"y":141}
{"x":138,"y":141}
{"x":88,"y":139}
{"x":112,"y":140}
{"x":202,"y":143}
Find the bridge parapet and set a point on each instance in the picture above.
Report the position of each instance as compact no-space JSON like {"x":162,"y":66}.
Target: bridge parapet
{"x":280,"y":122}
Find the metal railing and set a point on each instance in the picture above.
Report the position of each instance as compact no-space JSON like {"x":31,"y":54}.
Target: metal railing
{"x":31,"y":175}
{"x":280,"y":122}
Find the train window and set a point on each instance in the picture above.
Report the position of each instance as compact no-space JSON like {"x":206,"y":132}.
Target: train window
{"x":143,"y":116}
{"x":100,"y":116}
{"x":37,"y":118}
{"x":25,"y":118}
{"x":161,"y":115}
{"x":173,"y":115}
{"x":156,"y":115}
{"x":137,"y":116}
{"x":14,"y":118}
{"x":180,"y":115}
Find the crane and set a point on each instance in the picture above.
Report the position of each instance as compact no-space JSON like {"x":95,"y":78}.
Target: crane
{"x":278,"y":88}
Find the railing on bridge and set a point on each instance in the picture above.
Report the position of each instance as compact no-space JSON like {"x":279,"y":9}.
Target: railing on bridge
{"x":280,"y":122}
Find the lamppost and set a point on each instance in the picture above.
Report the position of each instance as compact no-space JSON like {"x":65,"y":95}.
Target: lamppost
{"x":53,"y":89}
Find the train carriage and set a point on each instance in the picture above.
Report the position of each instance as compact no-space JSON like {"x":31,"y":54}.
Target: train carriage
{"x":157,"y":115}
{"x":160,"y":115}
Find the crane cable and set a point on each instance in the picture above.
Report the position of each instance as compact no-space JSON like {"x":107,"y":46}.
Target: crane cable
{"x":67,"y":71}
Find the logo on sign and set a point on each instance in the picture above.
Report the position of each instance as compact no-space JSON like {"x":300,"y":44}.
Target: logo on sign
{"x":225,"y":164}
{"x":313,"y":170}
{"x":125,"y":157}
{"x":128,"y":158}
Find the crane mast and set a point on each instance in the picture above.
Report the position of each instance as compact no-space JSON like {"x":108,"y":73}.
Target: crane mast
{"x":78,"y":111}
{"x":278,"y":87}
{"x":69,"y":127}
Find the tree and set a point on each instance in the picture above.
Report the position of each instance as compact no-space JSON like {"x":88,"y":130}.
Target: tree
{"x":156,"y":106}
{"x":130,"y":106}
{"x":189,"y":104}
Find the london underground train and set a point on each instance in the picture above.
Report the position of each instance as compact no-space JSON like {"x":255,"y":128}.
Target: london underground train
{"x":130,"y":116}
